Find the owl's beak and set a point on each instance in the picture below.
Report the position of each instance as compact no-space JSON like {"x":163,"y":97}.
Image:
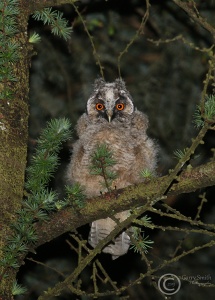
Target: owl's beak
{"x":109,"y":115}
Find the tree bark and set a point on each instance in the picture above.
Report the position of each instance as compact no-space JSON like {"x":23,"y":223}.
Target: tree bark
{"x":13,"y":141}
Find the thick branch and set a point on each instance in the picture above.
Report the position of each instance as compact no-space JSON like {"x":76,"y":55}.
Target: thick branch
{"x":40,"y":4}
{"x":191,"y":11}
{"x":127,"y":198}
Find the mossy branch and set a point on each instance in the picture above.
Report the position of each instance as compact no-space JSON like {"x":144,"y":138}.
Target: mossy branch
{"x":191,"y":10}
{"x":68,"y":282}
{"x":140,"y":198}
{"x":40,"y":4}
{"x":127,"y":198}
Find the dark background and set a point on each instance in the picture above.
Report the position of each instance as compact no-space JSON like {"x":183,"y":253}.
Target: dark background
{"x":165,"y":82}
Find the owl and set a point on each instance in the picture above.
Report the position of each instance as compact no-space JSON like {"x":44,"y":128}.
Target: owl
{"x":111,"y":119}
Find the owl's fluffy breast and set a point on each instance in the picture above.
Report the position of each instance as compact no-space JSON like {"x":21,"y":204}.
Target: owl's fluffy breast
{"x":132,"y":150}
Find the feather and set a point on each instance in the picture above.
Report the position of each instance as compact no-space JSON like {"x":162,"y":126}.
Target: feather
{"x":99,"y":231}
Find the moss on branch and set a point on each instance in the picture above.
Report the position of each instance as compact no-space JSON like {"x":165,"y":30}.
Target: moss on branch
{"x":40,"y":4}
{"x":193,"y":13}
{"x":130,"y":197}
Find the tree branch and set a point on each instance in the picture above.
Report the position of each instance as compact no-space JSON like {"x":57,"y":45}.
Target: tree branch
{"x":128,"y":198}
{"x":190,"y":9}
{"x":40,"y":4}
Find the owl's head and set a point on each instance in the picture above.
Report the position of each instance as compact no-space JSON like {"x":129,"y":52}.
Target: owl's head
{"x":110,"y":101}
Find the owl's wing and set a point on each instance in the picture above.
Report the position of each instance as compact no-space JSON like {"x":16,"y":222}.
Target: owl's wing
{"x":82,"y":124}
{"x":100,"y":229}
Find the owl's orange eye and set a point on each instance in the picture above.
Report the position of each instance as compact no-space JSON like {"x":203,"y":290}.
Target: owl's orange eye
{"x":120,"y":106}
{"x":99,"y":106}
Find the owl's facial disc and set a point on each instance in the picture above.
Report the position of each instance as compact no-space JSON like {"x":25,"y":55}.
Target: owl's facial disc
{"x":110,"y":101}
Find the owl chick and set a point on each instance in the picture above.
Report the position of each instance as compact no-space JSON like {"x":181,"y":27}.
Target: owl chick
{"x":111,"y":119}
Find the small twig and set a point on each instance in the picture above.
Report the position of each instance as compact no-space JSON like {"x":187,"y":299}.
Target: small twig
{"x":104,"y":175}
{"x":199,"y":208}
{"x":135,"y":37}
{"x":46,"y":266}
{"x":95,"y":53}
{"x":180,"y":37}
{"x":99,"y":265}
{"x":94,"y":278}
{"x":193,"y":14}
{"x":178,"y":216}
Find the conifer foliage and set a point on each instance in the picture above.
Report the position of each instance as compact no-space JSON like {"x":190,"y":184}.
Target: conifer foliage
{"x":8,"y":46}
{"x":39,"y":200}
{"x":55,"y":20}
